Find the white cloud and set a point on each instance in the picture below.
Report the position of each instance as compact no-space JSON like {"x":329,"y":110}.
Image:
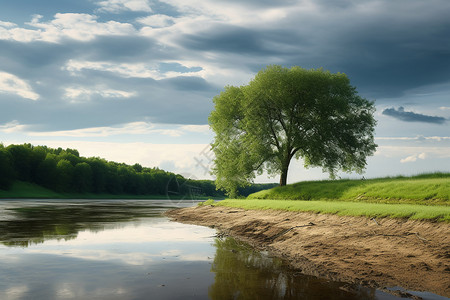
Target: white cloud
{"x":417,"y":138}
{"x":196,"y":128}
{"x":130,"y":128}
{"x":422,"y":155}
{"x":414,"y":157}
{"x":7,"y":24}
{"x":444,"y":108}
{"x":77,"y":26}
{"x":157,"y":21}
{"x":133,"y":128}
{"x":139,"y":70}
{"x":12,"y":84}
{"x":13,"y":126}
{"x":77,"y":94}
{"x":390,"y":151}
{"x":117,"y":6}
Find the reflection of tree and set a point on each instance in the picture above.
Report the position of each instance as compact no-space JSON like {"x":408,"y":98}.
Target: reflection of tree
{"x":242,"y":273}
{"x":35,"y":224}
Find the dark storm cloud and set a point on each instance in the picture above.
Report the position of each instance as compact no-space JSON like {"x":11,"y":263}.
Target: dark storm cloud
{"x":43,"y":66}
{"x":409,"y":116}
{"x":190,"y":83}
{"x":385,"y":47}
{"x":386,"y":50}
{"x":119,"y":48}
{"x":26,"y":58}
{"x":229,"y":39}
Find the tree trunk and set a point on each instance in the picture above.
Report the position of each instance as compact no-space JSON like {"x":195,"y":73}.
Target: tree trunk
{"x":284,"y":168}
{"x":283,"y":177}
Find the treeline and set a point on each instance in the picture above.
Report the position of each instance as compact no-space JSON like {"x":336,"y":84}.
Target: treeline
{"x":64,"y":170}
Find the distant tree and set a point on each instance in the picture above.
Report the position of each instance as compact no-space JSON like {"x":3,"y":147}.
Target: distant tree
{"x":290,"y":113}
{"x":138,"y":168}
{"x":7,"y":175}
{"x":21,"y":157}
{"x":65,"y":175}
{"x":82,"y":177}
{"x":47,"y":173}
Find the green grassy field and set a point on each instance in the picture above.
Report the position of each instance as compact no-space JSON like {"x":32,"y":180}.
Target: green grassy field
{"x":426,"y":189}
{"x":409,"y":211}
{"x":422,"y":197}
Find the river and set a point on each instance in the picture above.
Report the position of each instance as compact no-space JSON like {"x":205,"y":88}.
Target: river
{"x":126,"y":249}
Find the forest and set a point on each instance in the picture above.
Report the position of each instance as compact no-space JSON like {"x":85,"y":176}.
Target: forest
{"x":64,"y":170}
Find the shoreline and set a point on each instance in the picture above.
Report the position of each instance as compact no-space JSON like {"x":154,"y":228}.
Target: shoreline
{"x":378,"y":253}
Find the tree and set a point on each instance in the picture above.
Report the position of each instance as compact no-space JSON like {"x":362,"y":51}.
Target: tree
{"x":82,"y":177}
{"x":7,"y":175}
{"x":47,"y":172}
{"x":65,"y":175}
{"x":290,"y":113}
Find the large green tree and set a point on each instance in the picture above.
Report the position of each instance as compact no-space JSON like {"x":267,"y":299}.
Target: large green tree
{"x":286,"y":113}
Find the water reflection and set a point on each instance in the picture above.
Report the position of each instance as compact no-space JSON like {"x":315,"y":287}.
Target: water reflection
{"x":32,"y":222}
{"x":127,"y":250}
{"x":242,"y":273}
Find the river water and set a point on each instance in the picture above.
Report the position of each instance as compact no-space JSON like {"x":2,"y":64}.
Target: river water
{"x":113,"y":249}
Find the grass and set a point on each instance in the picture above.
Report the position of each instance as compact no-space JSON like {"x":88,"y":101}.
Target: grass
{"x":425,"y":189}
{"x":409,"y":211}
{"x":26,"y":190}
{"x":421,"y":197}
{"x":22,"y":189}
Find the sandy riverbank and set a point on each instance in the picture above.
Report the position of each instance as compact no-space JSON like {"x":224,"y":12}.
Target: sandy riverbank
{"x":384,"y":252}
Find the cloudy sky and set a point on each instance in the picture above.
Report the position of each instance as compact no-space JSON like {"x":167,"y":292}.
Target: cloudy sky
{"x":133,"y":80}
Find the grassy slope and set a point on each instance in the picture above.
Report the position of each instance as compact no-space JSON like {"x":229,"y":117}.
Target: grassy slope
{"x":420,"y":197}
{"x":24,"y":190}
{"x":430,"y":189}
{"x":411,"y":211}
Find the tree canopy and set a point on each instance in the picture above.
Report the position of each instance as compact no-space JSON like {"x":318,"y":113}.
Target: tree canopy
{"x":286,"y":113}
{"x":64,"y":170}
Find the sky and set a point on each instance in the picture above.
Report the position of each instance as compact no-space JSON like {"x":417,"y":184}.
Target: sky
{"x":133,"y":80}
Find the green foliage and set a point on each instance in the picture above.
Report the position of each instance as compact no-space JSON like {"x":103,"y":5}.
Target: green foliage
{"x":65,"y":172}
{"x":7,"y":174}
{"x":289,"y":113}
{"x":430,"y":189}
{"x":21,"y":189}
{"x":207,"y":202}
{"x":411,"y":211}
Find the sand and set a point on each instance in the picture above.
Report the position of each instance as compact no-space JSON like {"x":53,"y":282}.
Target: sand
{"x":380,"y":253}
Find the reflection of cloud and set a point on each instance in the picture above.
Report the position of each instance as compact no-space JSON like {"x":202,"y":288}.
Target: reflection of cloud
{"x":134,"y":245}
{"x":158,"y":232}
{"x":409,"y":116}
{"x":133,"y":258}
{"x":15,"y":292}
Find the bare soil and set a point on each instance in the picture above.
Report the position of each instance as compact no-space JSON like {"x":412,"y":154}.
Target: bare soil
{"x":379,"y":253}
